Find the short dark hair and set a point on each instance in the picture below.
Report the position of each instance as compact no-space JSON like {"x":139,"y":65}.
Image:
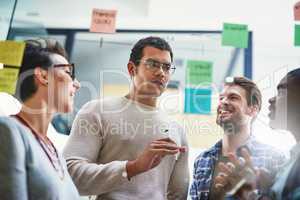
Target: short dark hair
{"x":253,"y":94}
{"x":156,"y":42}
{"x":36,"y":54}
{"x":294,"y":75}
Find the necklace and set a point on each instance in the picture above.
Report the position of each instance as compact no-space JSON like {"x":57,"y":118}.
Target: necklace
{"x":48,"y":147}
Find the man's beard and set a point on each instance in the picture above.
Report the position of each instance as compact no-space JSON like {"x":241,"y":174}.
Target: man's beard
{"x":231,"y":126}
{"x":228,"y":127}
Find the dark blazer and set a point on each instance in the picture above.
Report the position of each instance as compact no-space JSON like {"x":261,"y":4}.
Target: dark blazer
{"x":292,"y":187}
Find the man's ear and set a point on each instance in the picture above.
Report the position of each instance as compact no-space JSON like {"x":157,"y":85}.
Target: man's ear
{"x":131,"y":68}
{"x":41,"y":76}
{"x":253,"y":110}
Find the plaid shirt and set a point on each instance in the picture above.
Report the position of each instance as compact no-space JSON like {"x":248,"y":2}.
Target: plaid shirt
{"x":262,"y":155}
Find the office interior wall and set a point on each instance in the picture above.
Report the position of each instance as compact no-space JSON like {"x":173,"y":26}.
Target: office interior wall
{"x":270,"y":20}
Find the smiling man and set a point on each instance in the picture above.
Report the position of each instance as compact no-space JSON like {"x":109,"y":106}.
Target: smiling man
{"x":285,"y":115}
{"x":126,"y":147}
{"x":239,"y":104}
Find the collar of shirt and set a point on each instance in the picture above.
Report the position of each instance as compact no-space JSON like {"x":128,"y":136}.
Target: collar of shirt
{"x":216,"y":150}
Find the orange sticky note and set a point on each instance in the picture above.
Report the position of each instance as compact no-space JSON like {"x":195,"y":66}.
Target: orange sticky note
{"x":297,"y":11}
{"x":103,"y":21}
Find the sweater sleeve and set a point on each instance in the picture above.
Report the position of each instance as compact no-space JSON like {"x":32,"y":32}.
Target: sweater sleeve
{"x":13,"y":182}
{"x":179,"y":180}
{"x":82,"y":151}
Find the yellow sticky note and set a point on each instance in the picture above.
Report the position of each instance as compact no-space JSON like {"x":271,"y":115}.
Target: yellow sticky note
{"x":8,"y":80}
{"x":11,"y":53}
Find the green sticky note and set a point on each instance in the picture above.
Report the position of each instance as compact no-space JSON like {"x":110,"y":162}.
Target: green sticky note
{"x":199,"y":72}
{"x":11,"y":53}
{"x":235,"y":35}
{"x":297,"y":35}
{"x":8,"y":80}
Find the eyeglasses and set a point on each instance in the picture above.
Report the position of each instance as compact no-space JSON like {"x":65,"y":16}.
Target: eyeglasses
{"x":154,"y":65}
{"x":71,"y":67}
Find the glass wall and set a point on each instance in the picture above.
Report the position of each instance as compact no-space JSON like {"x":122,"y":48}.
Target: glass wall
{"x":101,"y":66}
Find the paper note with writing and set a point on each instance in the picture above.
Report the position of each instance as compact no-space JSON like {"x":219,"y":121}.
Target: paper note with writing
{"x":197,"y":100}
{"x":8,"y":80}
{"x":297,"y":11}
{"x":297,"y":35}
{"x":103,"y":21}
{"x":11,"y":52}
{"x":235,"y":35}
{"x":198,"y":72}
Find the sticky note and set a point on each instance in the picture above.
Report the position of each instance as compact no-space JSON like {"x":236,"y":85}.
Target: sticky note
{"x":8,"y":80}
{"x":11,"y":53}
{"x":297,"y":35}
{"x":197,"y":100}
{"x":103,"y":21}
{"x":235,"y":35}
{"x":297,"y":11}
{"x":199,"y":72}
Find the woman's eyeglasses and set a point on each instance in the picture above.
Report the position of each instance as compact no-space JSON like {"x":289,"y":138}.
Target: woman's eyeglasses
{"x":71,"y":66}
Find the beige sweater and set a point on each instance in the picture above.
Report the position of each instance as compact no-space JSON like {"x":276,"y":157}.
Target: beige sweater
{"x":108,"y":133}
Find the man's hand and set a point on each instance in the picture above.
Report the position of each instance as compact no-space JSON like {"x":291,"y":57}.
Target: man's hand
{"x":152,"y":156}
{"x":264,"y":179}
{"x":232,"y":173}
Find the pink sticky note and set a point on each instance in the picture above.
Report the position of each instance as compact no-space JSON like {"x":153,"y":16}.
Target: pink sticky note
{"x":103,"y":21}
{"x":297,"y":11}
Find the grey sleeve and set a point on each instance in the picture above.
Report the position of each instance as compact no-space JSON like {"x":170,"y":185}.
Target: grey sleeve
{"x":179,"y":181}
{"x":82,"y":151}
{"x":13,"y":183}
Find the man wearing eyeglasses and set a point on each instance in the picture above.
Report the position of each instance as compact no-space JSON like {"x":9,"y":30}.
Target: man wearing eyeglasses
{"x":128,"y":148}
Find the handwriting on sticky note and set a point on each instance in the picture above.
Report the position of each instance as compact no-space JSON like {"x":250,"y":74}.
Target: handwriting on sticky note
{"x":235,"y":35}
{"x":103,"y":21}
{"x":199,"y":72}
{"x":11,"y":53}
{"x":8,"y":80}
